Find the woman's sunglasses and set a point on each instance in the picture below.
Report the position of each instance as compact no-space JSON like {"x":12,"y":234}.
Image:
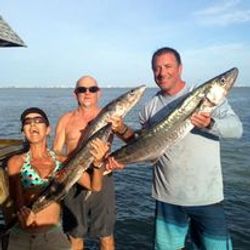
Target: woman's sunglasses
{"x":92,"y":89}
{"x":36,"y":119}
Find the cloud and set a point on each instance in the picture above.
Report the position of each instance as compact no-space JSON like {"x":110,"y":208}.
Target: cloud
{"x":218,"y":8}
{"x":223,"y":14}
{"x":218,"y":56}
{"x":219,"y":48}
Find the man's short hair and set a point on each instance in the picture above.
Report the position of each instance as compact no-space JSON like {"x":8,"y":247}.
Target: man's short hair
{"x":163,"y":51}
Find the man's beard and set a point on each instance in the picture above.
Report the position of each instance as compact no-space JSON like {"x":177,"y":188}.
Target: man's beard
{"x":86,"y":105}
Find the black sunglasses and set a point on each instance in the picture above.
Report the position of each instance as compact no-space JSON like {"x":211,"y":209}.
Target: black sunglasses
{"x":92,"y":89}
{"x":37,"y":120}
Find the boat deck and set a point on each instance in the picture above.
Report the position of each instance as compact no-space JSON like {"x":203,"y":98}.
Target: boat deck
{"x":9,"y":147}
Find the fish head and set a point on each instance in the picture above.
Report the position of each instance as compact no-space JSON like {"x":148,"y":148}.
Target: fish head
{"x":221,"y":85}
{"x":227,"y":79}
{"x":128,"y":100}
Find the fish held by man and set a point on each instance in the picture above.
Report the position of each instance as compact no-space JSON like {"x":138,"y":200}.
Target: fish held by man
{"x":117,"y":107}
{"x":70,"y":173}
{"x":154,"y":141}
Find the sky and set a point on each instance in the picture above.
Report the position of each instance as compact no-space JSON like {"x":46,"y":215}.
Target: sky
{"x":114,"y":40}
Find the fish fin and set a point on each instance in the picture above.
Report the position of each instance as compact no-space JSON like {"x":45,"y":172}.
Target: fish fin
{"x":107,"y":172}
{"x":87,"y":195}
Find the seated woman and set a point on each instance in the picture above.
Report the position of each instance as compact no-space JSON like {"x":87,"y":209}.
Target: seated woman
{"x":29,"y":173}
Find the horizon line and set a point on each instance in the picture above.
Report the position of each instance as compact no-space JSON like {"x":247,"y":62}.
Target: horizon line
{"x":105,"y":87}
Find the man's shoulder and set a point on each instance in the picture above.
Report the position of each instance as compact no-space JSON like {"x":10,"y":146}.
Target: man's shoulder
{"x":152,"y":101}
{"x":66,"y":116}
{"x":148,"y":108}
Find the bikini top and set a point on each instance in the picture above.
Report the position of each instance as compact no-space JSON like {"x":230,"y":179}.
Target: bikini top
{"x":31,"y":178}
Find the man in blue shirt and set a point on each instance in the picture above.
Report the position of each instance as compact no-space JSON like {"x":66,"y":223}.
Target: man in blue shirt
{"x":187,"y":178}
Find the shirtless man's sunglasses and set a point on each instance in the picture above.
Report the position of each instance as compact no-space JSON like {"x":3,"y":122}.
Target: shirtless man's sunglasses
{"x":92,"y":89}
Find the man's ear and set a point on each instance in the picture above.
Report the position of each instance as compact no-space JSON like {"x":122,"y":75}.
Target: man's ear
{"x":180,"y":69}
{"x":75,"y":95}
{"x":99,"y":94}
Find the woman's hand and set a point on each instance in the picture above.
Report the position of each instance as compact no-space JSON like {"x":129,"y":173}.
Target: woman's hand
{"x":99,"y":151}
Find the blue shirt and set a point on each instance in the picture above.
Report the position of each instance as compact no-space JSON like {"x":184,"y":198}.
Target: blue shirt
{"x":189,"y":173}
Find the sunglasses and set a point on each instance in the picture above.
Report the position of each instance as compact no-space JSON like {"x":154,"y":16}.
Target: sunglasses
{"x":36,"y":120}
{"x":92,"y":89}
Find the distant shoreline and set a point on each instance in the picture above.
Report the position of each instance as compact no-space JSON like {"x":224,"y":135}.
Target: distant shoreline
{"x":58,"y":87}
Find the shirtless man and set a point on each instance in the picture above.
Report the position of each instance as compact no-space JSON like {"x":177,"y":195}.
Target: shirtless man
{"x":96,"y":215}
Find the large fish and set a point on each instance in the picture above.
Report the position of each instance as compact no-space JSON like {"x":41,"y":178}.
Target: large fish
{"x":154,"y":141}
{"x":70,"y":173}
{"x":82,"y":158}
{"x":118,"y":107}
{"x":66,"y":177}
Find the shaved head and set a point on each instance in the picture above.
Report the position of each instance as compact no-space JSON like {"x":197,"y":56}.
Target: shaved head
{"x":87,"y":98}
{"x":86,"y":81}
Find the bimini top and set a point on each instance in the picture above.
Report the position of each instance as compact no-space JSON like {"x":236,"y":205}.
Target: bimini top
{"x":8,"y":38}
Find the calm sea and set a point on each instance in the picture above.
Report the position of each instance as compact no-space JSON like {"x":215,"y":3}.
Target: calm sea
{"x":135,"y":207}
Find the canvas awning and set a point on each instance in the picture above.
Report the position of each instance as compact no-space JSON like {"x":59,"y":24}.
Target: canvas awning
{"x":8,"y":38}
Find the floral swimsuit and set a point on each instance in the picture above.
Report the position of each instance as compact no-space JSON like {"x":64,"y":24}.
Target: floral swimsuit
{"x":31,"y":178}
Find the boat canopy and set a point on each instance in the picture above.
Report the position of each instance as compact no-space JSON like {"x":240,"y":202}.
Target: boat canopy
{"x":8,"y":38}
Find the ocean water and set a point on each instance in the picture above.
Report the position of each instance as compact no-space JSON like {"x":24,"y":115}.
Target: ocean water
{"x":134,"y":205}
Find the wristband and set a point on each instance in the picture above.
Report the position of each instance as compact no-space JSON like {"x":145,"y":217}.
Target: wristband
{"x":96,"y":166}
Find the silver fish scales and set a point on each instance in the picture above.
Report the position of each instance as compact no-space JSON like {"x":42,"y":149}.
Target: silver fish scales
{"x":82,"y":159}
{"x":154,"y":141}
{"x":118,"y":107}
{"x":70,"y":173}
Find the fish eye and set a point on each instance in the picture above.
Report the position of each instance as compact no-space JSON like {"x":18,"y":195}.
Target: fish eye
{"x":222,"y":80}
{"x":132,"y":91}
